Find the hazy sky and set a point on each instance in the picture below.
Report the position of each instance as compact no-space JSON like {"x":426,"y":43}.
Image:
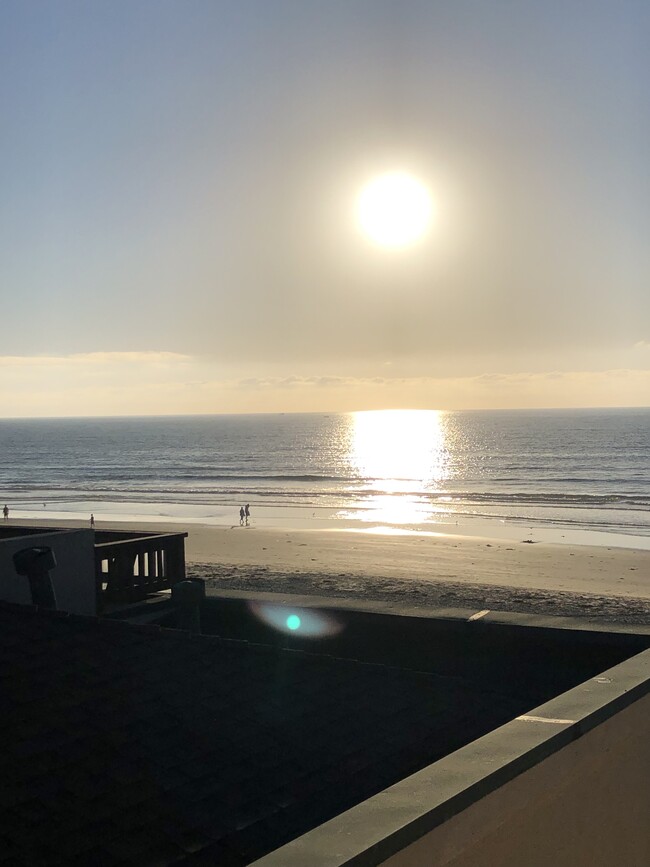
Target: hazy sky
{"x":177,"y":192}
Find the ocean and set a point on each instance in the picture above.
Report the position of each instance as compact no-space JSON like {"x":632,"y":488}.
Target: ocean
{"x":537,"y":473}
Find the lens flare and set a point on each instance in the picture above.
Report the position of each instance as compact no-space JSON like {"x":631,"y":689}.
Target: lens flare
{"x":305,"y":622}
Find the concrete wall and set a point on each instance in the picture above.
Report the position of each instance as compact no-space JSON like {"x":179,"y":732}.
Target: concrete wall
{"x":74,"y":575}
{"x":532,"y":657}
{"x":588,"y":805}
{"x":566,"y":784}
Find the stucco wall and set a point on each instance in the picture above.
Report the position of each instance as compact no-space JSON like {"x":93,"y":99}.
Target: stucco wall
{"x":74,"y":575}
{"x":588,"y":805}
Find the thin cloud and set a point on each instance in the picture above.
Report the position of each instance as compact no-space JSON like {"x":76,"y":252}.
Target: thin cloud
{"x":101,"y":384}
{"x":95,"y":358}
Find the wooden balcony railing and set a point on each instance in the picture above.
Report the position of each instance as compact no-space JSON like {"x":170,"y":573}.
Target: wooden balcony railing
{"x":128,"y":567}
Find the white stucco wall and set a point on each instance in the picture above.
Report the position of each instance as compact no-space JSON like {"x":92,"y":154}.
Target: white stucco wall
{"x":74,"y":575}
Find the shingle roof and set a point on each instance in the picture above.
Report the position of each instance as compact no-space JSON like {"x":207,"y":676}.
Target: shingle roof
{"x":127,"y":745}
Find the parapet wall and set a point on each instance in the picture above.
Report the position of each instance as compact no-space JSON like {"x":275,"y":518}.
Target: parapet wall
{"x":515,"y":654}
{"x":585,"y":806}
{"x":566,"y":783}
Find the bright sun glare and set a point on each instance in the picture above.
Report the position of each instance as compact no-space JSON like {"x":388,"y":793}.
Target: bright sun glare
{"x":394,"y":210}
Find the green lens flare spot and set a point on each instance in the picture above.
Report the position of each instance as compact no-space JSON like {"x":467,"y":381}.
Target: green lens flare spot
{"x":293,"y":622}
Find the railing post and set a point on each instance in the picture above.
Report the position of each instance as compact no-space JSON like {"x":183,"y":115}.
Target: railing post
{"x":160,"y":560}
{"x":175,"y":555}
{"x":99,"y":581}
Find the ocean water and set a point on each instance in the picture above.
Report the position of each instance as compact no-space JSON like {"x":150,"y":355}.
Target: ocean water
{"x":585,"y":470}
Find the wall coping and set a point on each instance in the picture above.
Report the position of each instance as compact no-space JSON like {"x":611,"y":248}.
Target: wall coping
{"x":371,"y":606}
{"x":373,"y":831}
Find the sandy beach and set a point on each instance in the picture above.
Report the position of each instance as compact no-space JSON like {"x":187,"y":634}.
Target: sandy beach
{"x":597,"y":582}
{"x":609,"y":584}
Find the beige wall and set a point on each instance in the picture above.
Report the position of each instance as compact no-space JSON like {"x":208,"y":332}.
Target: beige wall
{"x":588,"y":805}
{"x":74,"y":575}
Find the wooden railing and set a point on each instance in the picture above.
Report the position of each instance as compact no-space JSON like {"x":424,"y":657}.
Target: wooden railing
{"x":128,"y":569}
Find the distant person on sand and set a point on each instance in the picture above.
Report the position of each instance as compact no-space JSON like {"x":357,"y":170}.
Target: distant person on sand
{"x":92,"y":521}
{"x":5,"y":512}
{"x":247,"y":512}
{"x":241,"y":516}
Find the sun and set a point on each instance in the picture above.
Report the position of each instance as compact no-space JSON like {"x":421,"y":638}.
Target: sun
{"x":394,"y":210}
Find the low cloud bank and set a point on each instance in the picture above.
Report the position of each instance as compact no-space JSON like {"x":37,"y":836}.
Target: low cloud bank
{"x":166,"y":383}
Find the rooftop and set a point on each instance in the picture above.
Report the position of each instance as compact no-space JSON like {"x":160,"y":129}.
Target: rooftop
{"x":139,"y":744}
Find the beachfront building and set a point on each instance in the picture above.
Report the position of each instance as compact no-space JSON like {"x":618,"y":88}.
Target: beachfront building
{"x":294,"y":735}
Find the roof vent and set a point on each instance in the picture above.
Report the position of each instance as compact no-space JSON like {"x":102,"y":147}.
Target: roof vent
{"x":36,"y":563}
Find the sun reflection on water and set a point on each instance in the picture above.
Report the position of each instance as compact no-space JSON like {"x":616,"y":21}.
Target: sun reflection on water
{"x":403,"y":457}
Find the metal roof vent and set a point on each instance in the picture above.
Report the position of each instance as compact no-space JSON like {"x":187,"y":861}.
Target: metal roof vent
{"x":36,"y":563}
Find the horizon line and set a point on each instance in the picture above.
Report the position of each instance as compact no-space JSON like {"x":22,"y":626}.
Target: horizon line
{"x":324,"y":412}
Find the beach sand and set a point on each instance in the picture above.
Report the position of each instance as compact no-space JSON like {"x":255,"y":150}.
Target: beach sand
{"x":599,"y":584}
{"x":603,"y":583}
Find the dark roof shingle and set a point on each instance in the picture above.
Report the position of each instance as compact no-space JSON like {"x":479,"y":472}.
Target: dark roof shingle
{"x":140,"y":745}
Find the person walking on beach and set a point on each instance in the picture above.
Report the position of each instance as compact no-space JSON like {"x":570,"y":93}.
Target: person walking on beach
{"x":247,"y":512}
{"x":5,"y":512}
{"x":241,"y":516}
{"x":92,"y":521}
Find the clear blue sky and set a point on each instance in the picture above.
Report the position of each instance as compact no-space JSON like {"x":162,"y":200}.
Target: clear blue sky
{"x":178,"y":180}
